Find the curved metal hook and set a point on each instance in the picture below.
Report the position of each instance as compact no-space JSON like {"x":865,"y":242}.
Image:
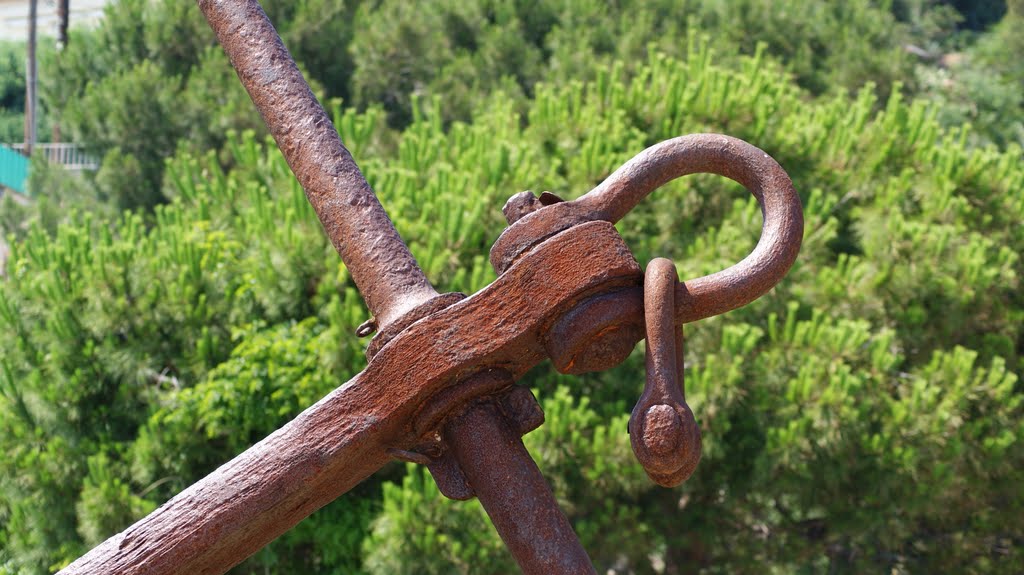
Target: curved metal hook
{"x":736,"y":286}
{"x":781,"y":233}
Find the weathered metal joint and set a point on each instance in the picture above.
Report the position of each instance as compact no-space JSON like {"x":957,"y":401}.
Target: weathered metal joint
{"x":781,"y":230}
{"x":516,"y":405}
{"x":403,"y":321}
{"x":529,"y":226}
{"x":598,"y":334}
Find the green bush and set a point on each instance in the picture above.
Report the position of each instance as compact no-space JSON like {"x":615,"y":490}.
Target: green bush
{"x":12,"y":92}
{"x":986,"y":88}
{"x":150,"y":78}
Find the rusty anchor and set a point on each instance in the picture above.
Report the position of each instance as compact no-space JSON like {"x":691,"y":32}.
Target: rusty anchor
{"x":439,"y":388}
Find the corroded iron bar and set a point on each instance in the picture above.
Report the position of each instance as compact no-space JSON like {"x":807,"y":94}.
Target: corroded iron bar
{"x":346,"y":436}
{"x":382,"y":266}
{"x":514,"y":493}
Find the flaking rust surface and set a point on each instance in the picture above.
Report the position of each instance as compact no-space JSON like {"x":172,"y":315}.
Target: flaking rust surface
{"x":343,"y":438}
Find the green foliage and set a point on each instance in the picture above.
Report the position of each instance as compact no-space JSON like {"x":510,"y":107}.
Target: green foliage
{"x":12,"y":92}
{"x":979,"y":14}
{"x":420,"y":531}
{"x":107,"y":504}
{"x":865,"y":416}
{"x":131,"y":93}
{"x":12,"y":79}
{"x":459,"y":50}
{"x":147,"y":80}
{"x":53,"y":190}
{"x":12,"y":95}
{"x":982,"y":84}
{"x":136,"y":134}
{"x":983,"y":87}
{"x":452,"y":50}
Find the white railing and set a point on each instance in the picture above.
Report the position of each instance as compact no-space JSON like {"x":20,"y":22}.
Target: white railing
{"x":68,"y":155}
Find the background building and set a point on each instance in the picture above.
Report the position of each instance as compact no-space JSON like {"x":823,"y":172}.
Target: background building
{"x":14,"y":17}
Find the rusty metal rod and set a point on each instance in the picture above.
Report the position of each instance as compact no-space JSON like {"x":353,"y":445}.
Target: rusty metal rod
{"x":243,"y":505}
{"x":346,"y":436}
{"x":514,"y":493}
{"x":382,"y":266}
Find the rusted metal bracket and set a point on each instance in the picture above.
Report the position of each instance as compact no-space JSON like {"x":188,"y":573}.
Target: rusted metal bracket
{"x":439,"y":388}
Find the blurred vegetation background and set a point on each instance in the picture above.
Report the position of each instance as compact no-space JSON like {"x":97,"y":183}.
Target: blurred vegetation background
{"x":159,"y":316}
